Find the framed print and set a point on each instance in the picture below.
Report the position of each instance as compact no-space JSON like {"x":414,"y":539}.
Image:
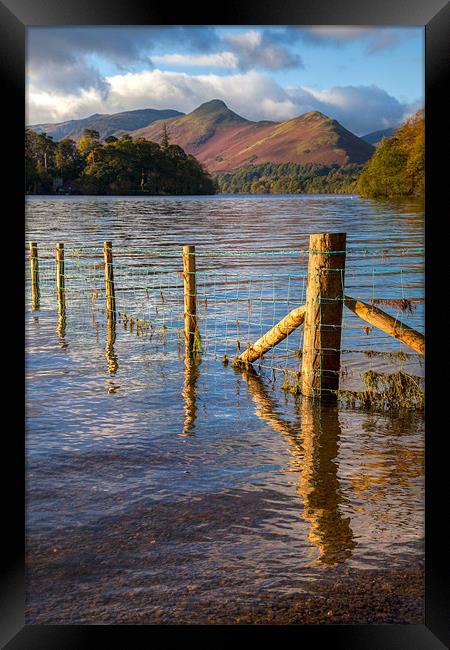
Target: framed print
{"x":227,"y":221}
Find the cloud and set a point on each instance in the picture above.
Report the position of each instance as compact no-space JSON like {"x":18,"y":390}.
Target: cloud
{"x":262,"y":49}
{"x":69,"y":76}
{"x":218,"y":60}
{"x":253,"y":95}
{"x":121,"y":45}
{"x":246,"y":93}
{"x":45,"y":107}
{"x":67,"y":60}
{"x":359,"y":108}
{"x":375,"y":39}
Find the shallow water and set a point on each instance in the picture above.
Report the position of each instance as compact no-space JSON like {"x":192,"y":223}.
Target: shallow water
{"x":191,"y":484}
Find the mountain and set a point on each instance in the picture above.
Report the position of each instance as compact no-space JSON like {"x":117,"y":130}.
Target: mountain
{"x":375,"y":137}
{"x":115,"y":124}
{"x":223,"y":140}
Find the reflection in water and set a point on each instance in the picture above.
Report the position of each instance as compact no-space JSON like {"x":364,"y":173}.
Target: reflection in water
{"x":111,"y":356}
{"x":319,"y":485}
{"x":191,"y":372}
{"x":107,"y":472}
{"x":35,"y":296}
{"x":316,"y":460}
{"x":397,"y":469}
{"x":62,"y":321}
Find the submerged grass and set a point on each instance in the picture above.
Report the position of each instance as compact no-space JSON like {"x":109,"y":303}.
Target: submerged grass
{"x":387,"y":391}
{"x":292,"y":382}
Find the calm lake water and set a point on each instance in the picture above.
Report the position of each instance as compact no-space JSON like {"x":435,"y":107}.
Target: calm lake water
{"x":185,"y":489}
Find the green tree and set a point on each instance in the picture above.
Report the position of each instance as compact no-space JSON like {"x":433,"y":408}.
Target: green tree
{"x":39,"y":162}
{"x":68,"y":161}
{"x":89,"y":142}
{"x":136,"y":166}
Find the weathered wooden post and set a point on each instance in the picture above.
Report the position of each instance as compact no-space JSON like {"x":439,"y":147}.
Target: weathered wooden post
{"x":60,"y":280}
{"x":190,"y":298}
{"x":60,"y":292}
{"x":34,"y":267}
{"x":323,"y":321}
{"x":109,"y":281}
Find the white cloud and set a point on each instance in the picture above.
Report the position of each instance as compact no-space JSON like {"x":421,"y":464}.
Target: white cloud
{"x":253,"y":95}
{"x":358,"y":108}
{"x":218,"y":60}
{"x":249,"y":40}
{"x":43,"y":106}
{"x":246,"y":93}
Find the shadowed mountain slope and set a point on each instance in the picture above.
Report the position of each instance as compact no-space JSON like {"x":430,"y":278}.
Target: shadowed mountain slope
{"x":375,"y":137}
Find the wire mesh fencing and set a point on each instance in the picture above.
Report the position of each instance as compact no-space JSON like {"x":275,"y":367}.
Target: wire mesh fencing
{"x":240,"y":295}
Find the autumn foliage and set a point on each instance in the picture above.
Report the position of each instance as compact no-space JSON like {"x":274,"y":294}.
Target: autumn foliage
{"x":397,"y":167}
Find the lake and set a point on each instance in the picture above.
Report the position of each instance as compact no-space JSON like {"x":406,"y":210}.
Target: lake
{"x":162,"y":491}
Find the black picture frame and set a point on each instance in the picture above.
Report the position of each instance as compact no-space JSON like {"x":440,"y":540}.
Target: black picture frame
{"x":434,"y":15}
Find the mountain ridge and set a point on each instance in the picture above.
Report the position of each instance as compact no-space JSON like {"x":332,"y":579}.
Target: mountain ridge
{"x":105,"y":123}
{"x":223,"y":140}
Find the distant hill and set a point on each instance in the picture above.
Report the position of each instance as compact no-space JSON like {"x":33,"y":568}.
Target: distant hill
{"x":375,"y":137}
{"x":223,"y":140}
{"x":115,"y":124}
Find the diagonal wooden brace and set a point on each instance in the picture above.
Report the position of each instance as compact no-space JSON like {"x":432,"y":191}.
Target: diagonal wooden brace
{"x":387,"y":323}
{"x":274,"y":336}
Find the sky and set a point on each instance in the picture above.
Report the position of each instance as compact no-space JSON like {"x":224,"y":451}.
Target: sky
{"x":367,"y":78}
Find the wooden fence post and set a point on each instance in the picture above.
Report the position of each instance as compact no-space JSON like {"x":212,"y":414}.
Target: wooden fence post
{"x":323,"y":321}
{"x":109,"y":280}
{"x":60,"y":292}
{"x":60,"y":281}
{"x":34,"y":266}
{"x":190,"y":298}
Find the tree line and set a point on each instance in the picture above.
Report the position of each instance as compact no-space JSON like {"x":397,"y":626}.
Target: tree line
{"x":119,"y":165}
{"x":289,"y":178}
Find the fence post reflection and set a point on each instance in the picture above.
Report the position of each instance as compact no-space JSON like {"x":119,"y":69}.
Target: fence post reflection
{"x":319,"y":484}
{"x":315,"y":451}
{"x":62,"y":323}
{"x":111,"y":356}
{"x":191,"y":373}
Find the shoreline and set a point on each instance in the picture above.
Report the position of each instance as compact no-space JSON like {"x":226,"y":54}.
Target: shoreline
{"x":367,"y":597}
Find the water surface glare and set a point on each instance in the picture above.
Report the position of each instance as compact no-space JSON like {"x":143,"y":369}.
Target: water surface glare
{"x":181,"y":488}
